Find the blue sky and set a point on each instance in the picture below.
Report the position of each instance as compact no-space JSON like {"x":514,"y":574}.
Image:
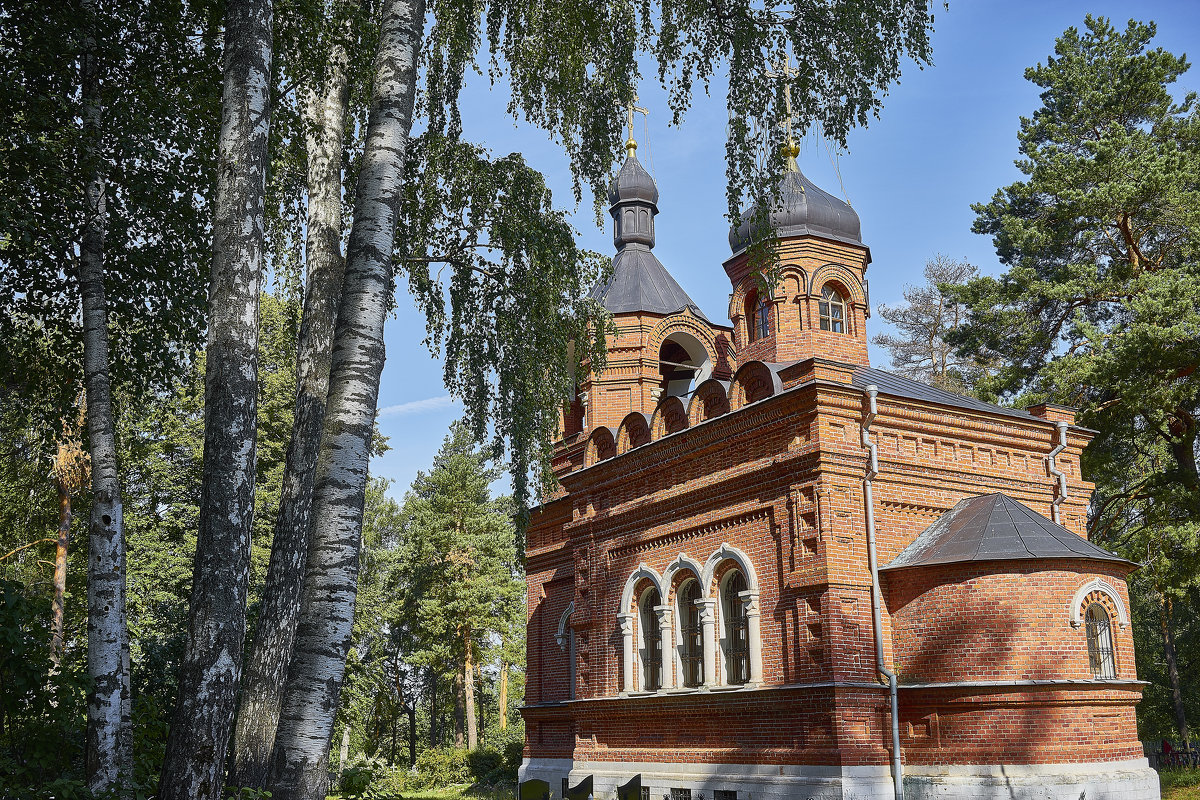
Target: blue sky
{"x":946,"y":138}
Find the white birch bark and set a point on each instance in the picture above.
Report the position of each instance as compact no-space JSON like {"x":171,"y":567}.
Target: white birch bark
{"x":266,"y":665}
{"x":109,"y":727}
{"x":301,"y":755}
{"x":194,"y":767}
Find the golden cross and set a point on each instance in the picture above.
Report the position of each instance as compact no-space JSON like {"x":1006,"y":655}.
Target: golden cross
{"x":787,"y":72}
{"x":633,"y":107}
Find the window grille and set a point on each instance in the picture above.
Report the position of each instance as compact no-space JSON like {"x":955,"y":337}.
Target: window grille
{"x":724,"y":794}
{"x":691,"y":635}
{"x":833,"y":310}
{"x":645,"y":793}
{"x":737,"y":633}
{"x":762,"y":319}
{"x":681,"y":794}
{"x":1100,"y":642}
{"x":652,"y":637}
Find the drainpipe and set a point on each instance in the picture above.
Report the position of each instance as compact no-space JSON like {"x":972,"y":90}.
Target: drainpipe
{"x":871,"y":393}
{"x":1054,"y":471}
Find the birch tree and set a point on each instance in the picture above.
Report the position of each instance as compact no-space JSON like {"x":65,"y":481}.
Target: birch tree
{"x":324,"y":109}
{"x":194,"y":767}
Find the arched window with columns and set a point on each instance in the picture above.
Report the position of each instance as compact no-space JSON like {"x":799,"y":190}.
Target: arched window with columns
{"x":650,"y":650}
{"x":736,"y":634}
{"x":691,"y":634}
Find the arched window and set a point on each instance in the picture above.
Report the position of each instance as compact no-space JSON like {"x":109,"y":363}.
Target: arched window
{"x":691,"y":637}
{"x":833,"y":310}
{"x":737,"y":633}
{"x":1100,"y":642}
{"x":651,"y":640}
{"x":762,"y":318}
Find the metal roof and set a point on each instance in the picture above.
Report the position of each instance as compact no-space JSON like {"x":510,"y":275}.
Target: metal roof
{"x":994,"y":527}
{"x":632,"y":183}
{"x":640,"y":282}
{"x":804,"y":209}
{"x":915,"y":390}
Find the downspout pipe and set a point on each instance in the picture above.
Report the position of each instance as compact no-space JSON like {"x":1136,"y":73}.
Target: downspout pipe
{"x":1055,"y":472}
{"x":872,"y":392}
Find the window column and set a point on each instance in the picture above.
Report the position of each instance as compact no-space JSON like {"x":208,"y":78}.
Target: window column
{"x":750,"y":598}
{"x":626,"y":622}
{"x":708,"y":629}
{"x":667,"y":642}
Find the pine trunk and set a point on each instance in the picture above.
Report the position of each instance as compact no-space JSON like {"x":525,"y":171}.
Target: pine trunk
{"x":194,"y":766}
{"x":433,"y":715}
{"x":109,"y":727}
{"x":60,"y":571}
{"x":1168,"y":635}
{"x":469,"y":693}
{"x":502,"y":700}
{"x":323,"y":635}
{"x":267,"y":663}
{"x":459,"y":689}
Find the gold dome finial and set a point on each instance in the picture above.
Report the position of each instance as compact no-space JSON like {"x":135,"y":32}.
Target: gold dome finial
{"x":791,"y":151}
{"x":630,"y":144}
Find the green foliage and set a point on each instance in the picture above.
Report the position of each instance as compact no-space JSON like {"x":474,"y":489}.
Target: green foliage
{"x":159,"y":89}
{"x":442,"y":766}
{"x":41,"y":709}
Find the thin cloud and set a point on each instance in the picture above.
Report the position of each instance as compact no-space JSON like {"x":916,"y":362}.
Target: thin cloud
{"x":418,"y":406}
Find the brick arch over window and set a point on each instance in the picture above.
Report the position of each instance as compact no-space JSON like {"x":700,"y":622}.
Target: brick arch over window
{"x":602,"y":444}
{"x":842,"y":277}
{"x":711,"y":399}
{"x":565,"y":636}
{"x":1100,"y":591}
{"x":628,"y":614}
{"x":753,"y":381}
{"x":792,"y":294}
{"x":634,"y":431}
{"x":741,"y":563}
{"x":670,"y":417}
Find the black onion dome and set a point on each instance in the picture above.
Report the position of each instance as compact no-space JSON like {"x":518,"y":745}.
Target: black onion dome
{"x":805,"y":209}
{"x":632,"y":183}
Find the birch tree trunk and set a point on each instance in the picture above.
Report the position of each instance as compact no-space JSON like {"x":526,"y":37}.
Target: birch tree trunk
{"x":194,"y":767}
{"x":267,"y":663}
{"x":322,"y":642}
{"x":109,"y":727}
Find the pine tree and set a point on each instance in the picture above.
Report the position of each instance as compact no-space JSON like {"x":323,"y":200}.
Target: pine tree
{"x":1100,"y":304}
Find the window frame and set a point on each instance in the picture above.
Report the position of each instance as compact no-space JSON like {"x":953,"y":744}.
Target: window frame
{"x":831,"y":309}
{"x":650,"y":672}
{"x":691,"y":634}
{"x":1102,"y":651}
{"x":736,"y":628}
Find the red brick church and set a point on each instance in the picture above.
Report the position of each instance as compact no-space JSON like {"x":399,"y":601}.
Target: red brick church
{"x":777,"y":572}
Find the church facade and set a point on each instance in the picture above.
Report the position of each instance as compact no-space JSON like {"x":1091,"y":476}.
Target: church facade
{"x":774,"y":571}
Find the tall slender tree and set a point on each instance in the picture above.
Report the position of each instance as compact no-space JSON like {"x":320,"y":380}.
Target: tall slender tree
{"x":324,"y":110}
{"x":194,"y":766}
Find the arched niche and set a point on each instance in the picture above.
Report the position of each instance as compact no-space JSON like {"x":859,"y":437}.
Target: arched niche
{"x":601,"y":445}
{"x":634,"y":431}
{"x":686,"y":354}
{"x":754,"y":381}
{"x":670,"y":417}
{"x":711,"y":399}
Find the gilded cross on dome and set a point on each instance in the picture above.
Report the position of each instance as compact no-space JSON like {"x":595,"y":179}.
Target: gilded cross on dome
{"x":631,"y":109}
{"x":787,"y":72}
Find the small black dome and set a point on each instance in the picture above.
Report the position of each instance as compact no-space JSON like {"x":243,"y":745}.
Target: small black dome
{"x":632,"y":183}
{"x":805,"y":210}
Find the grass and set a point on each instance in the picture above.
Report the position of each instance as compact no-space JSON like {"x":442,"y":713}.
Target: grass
{"x":1180,"y":784}
{"x":463,"y":791}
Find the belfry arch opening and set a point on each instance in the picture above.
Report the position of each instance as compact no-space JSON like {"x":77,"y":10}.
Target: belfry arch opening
{"x":683,"y":363}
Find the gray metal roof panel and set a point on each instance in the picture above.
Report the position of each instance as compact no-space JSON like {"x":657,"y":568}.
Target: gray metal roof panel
{"x":899,"y":386}
{"x":995,"y":527}
{"x":804,"y":209}
{"x":640,"y":282}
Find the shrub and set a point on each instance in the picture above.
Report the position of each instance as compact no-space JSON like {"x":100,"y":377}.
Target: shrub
{"x":440,"y":766}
